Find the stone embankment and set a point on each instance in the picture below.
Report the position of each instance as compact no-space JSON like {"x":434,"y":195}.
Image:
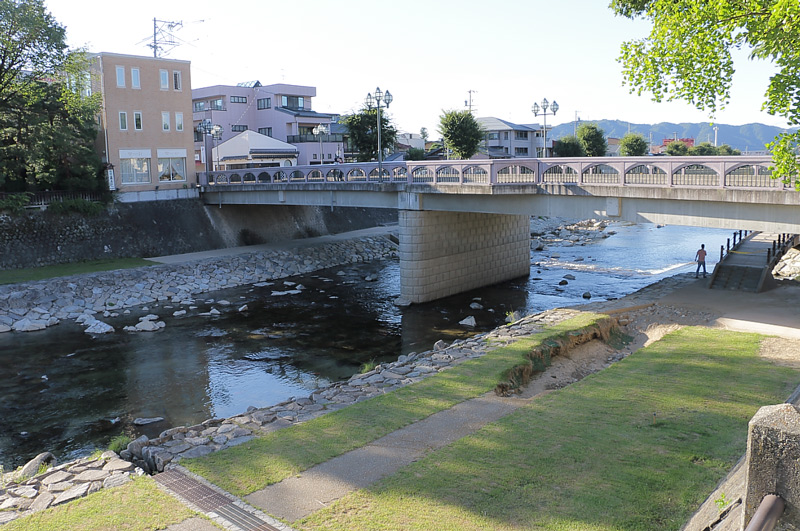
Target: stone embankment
{"x":789,"y":266}
{"x":36,"y":305}
{"x":20,"y":496}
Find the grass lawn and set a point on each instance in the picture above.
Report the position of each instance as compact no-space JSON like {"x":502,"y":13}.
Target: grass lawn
{"x":138,"y":505}
{"x":13,"y":276}
{"x":637,"y":446}
{"x":254,"y":465}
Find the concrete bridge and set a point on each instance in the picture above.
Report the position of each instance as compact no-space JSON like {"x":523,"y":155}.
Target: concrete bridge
{"x":465,"y":224}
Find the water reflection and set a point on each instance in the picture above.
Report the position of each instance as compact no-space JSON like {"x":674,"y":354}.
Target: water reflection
{"x":62,"y":391}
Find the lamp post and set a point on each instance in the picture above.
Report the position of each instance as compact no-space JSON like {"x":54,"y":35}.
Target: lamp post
{"x":543,"y":111}
{"x":319,"y":131}
{"x":376,"y":100}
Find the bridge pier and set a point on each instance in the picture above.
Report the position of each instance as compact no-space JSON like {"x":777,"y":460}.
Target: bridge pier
{"x":444,"y":253}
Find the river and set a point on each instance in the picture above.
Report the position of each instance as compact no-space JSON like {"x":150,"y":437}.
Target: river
{"x":66,"y":392}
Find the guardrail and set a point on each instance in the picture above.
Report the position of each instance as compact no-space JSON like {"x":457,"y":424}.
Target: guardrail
{"x":42,"y":199}
{"x":737,"y":172}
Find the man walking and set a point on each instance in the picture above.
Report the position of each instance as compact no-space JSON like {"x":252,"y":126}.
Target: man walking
{"x":700,"y":258}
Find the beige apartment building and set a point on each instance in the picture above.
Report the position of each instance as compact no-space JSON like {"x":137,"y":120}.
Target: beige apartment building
{"x":146,"y":138}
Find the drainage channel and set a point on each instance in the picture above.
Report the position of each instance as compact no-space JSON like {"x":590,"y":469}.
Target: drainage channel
{"x":208,"y":500}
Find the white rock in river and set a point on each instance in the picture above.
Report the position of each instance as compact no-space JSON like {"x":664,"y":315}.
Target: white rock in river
{"x":147,"y":420}
{"x":179,"y":313}
{"x":469,"y":321}
{"x":99,"y":327}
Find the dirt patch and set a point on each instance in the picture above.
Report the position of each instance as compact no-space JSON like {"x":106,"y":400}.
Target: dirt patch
{"x":781,"y":351}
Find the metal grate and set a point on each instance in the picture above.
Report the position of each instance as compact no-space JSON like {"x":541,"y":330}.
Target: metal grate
{"x":209,"y":500}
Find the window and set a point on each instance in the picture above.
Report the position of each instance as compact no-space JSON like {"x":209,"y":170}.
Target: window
{"x":163,"y":77}
{"x":198,"y":136}
{"x":171,"y":169}
{"x":520,"y":135}
{"x":137,"y":120}
{"x":292,"y":102}
{"x":521,"y":151}
{"x":135,"y":171}
{"x":315,"y":155}
{"x":305,"y":130}
{"x":215,"y":105}
{"x":264,"y":103}
{"x":135,"y":80}
{"x":120,"y":76}
{"x":123,"y":121}
{"x":238,"y":99}
{"x":238,"y":128}
{"x":199,"y":106}
{"x":265,"y":131}
{"x":493,"y":136}
{"x":505,"y":136}
{"x":176,"y":80}
{"x":179,"y":121}
{"x":165,"y":121}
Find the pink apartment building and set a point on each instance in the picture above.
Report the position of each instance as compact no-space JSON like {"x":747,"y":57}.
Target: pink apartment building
{"x":146,"y":138}
{"x":280,"y":111}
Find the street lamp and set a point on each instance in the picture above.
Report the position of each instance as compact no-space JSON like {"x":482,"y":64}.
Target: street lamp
{"x":375,"y":101}
{"x":206,"y":128}
{"x":319,"y":131}
{"x":543,"y":111}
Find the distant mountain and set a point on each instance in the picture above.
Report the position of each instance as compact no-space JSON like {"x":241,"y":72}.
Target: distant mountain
{"x":751,"y":137}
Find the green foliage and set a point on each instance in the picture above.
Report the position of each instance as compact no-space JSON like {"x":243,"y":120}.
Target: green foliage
{"x":423,"y":133}
{"x":725,"y":149}
{"x":47,"y":123}
{"x":461,"y":132}
{"x":677,"y":148}
{"x":687,"y":56}
{"x":14,"y":203}
{"x":368,"y":366}
{"x":363,"y":129}
{"x":633,"y":145}
{"x":415,"y":154}
{"x":593,"y":140}
{"x":119,"y":443}
{"x":15,"y":276}
{"x":78,"y":206}
{"x":568,"y":146}
{"x":703,"y":149}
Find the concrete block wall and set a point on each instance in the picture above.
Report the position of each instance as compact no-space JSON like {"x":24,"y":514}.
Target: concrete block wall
{"x":444,"y":253}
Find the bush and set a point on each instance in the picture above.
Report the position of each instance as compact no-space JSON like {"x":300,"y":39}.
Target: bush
{"x":119,"y":443}
{"x":15,"y":203}
{"x":79,"y":206}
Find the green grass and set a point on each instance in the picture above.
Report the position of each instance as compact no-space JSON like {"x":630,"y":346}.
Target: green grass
{"x":284,"y":453}
{"x":138,"y":505}
{"x":13,"y":276}
{"x":592,"y":456}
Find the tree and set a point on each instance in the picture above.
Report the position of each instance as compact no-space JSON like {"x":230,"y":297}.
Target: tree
{"x":423,"y":133}
{"x":363,"y":129}
{"x":568,"y":146}
{"x":633,"y":145}
{"x":688,"y":56}
{"x":676,"y":148}
{"x":725,"y":149}
{"x":702,"y":149}
{"x":47,"y":123}
{"x":461,"y":132}
{"x":593,"y":140}
{"x":415,"y":154}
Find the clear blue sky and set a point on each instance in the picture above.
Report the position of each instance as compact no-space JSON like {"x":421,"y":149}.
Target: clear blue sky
{"x":429,"y":54}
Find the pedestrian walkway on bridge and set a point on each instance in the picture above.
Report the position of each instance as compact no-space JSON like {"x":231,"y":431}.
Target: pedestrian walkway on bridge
{"x":748,"y":265}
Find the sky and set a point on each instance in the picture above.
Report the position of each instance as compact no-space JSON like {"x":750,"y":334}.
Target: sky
{"x":428,"y":54}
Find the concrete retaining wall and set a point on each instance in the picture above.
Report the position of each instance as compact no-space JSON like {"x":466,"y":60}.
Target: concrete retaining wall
{"x":443,"y":253}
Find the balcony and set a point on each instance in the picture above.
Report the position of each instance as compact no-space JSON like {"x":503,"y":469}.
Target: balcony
{"x":302,"y":139}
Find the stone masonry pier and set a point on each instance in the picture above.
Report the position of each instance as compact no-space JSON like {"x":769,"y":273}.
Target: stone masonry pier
{"x":444,"y":253}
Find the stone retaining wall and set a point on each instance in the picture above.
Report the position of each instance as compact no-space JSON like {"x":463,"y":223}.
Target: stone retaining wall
{"x":36,"y":305}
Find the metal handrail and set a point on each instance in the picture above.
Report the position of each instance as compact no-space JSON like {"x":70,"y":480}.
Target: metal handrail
{"x":768,"y":513}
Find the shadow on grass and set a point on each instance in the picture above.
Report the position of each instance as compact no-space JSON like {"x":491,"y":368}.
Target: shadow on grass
{"x":591,"y":456}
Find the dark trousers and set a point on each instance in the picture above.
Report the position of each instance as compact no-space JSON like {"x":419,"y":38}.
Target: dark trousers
{"x":699,"y":265}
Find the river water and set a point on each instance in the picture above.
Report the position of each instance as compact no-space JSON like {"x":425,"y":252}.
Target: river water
{"x":66,"y":392}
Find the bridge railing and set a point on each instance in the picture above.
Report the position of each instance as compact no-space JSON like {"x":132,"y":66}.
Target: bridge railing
{"x":739,"y":172}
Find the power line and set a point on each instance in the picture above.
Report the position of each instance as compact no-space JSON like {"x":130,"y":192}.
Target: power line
{"x":163,"y":38}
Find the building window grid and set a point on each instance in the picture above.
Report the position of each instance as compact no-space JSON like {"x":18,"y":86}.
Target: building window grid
{"x":238,"y":99}
{"x":171,"y":169}
{"x":121,"y":76}
{"x":179,"y":121}
{"x":177,"y":82}
{"x":238,"y":128}
{"x":199,"y":106}
{"x":215,"y":105}
{"x":137,"y":120}
{"x":264,"y":103}
{"x":135,"y":171}
{"x":135,"y":79}
{"x":266,"y":131}
{"x":165,"y":121}
{"x":520,"y":135}
{"x":163,"y":77}
{"x":123,"y":121}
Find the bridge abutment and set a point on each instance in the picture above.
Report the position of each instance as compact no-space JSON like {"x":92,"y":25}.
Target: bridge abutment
{"x":444,"y":253}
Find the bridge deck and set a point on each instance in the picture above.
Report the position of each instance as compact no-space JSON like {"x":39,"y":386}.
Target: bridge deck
{"x":752,"y":252}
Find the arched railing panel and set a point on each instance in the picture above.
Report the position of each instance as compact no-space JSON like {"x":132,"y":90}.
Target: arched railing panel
{"x":644,"y":174}
{"x":447,"y":174}
{"x":560,"y":174}
{"x":695,"y":175}
{"x":475,"y":174}
{"x":377,"y":176}
{"x":334,"y":175}
{"x":235,"y":178}
{"x":516,"y":174}
{"x":600,"y":174}
{"x":280,"y":176}
{"x":752,"y":177}
{"x":315,"y":176}
{"x":264,"y":177}
{"x":297,"y":175}
{"x":249,"y":178}
{"x":399,"y":174}
{"x":422,"y":174}
{"x":356,"y":174}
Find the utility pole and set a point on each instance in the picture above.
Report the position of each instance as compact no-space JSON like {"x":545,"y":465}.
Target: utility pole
{"x":575,"y":125}
{"x":468,"y":104}
{"x":162,"y":35}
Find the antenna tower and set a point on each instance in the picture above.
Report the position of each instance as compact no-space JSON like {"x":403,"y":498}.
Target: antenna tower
{"x":163,"y":38}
